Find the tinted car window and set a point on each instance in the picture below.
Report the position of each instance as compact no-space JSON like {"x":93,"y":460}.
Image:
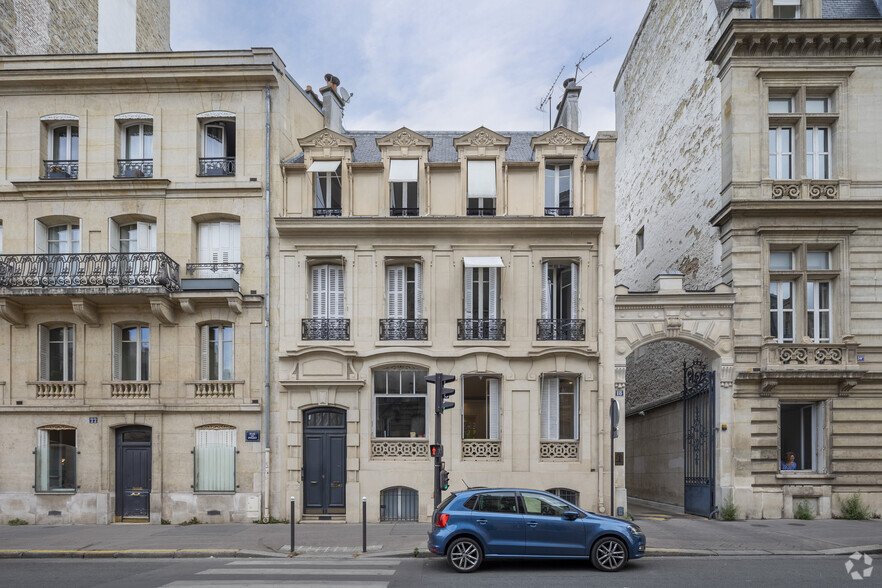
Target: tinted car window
{"x":445,"y":502}
{"x":539,"y":504}
{"x":504,"y":502}
{"x":471,"y":502}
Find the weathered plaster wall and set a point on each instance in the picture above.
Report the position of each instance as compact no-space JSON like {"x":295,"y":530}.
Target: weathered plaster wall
{"x":654,"y":467}
{"x":668,"y":151}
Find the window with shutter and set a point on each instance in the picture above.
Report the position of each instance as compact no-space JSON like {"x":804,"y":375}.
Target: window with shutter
{"x":395,"y":292}
{"x":480,"y":412}
{"x":218,"y":244}
{"x":215,"y":459}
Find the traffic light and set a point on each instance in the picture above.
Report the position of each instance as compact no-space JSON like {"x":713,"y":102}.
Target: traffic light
{"x":443,"y":483}
{"x":436,"y":450}
{"x":442,"y":393}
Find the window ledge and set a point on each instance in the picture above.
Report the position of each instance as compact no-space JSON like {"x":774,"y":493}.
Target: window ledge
{"x":214,"y":492}
{"x":481,"y":343}
{"x":803,"y":477}
{"x":404,"y":342}
{"x":54,"y":492}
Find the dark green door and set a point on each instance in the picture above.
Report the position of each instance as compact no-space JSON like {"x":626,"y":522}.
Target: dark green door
{"x":324,"y":468}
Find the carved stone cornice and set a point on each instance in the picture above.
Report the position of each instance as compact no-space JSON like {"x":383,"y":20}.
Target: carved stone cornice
{"x":12,"y":312}
{"x":560,"y":136}
{"x":404,"y":137}
{"x":482,"y":137}
{"x":163,"y":310}
{"x":86,"y":311}
{"x":327,"y":138}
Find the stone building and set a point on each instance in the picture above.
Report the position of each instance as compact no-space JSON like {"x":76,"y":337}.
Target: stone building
{"x":748,"y":166}
{"x":482,"y":254}
{"x":134,"y":216}
{"x":37,"y":27}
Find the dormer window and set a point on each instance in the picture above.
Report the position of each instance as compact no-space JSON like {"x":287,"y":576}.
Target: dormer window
{"x":558,"y":200}
{"x":481,"y":188}
{"x":328,"y":188}
{"x":403,"y":176}
{"x":64,"y":146}
{"x":218,"y":145}
{"x":788,"y":9}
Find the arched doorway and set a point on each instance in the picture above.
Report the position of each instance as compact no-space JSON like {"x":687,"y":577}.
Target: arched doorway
{"x":324,"y":462}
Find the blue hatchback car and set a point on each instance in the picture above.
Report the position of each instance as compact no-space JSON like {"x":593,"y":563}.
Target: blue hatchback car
{"x":516,"y":523}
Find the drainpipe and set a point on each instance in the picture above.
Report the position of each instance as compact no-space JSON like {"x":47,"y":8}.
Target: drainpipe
{"x":266,"y":318}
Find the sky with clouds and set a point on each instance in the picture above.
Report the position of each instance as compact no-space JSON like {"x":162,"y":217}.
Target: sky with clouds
{"x":431,"y":65}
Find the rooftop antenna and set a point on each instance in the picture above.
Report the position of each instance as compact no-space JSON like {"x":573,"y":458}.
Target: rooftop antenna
{"x":583,"y":58}
{"x":550,"y":93}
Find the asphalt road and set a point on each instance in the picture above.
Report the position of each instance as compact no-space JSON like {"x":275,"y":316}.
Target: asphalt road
{"x":800,"y":571}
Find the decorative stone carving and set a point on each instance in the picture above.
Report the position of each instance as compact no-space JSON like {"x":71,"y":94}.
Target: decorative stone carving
{"x":785,"y":191}
{"x":51,"y":117}
{"x":134,"y":116}
{"x":326,"y":139}
{"x":11,"y":312}
{"x":86,"y":311}
{"x":214,"y":389}
{"x":482,"y":138}
{"x":560,"y":138}
{"x":417,"y":450}
{"x":559,"y":450}
{"x":162,"y":309}
{"x":404,"y":139}
{"x":823,"y":191}
{"x":726,"y":373}
{"x":673,"y":324}
{"x":845,"y":386}
{"x":56,"y":389}
{"x":768,"y":387}
{"x":216,"y":114}
{"x":481,"y":449}
{"x":129,"y":390}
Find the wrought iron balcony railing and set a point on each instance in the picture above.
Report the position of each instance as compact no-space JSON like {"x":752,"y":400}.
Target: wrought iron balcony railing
{"x":560,"y":329}
{"x":396,"y":211}
{"x":327,"y":212}
{"x":215,"y":270}
{"x":404,"y":329}
{"x":61,"y":169}
{"x":84,"y":270}
{"x":480,"y":329}
{"x":134,"y":168}
{"x":321,"y":329}
{"x":481,"y":211}
{"x":217,"y":166}
{"x":558,"y":211}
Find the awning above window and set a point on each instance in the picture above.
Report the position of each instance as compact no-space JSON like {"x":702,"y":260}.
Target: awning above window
{"x":403,"y":170}
{"x":324,"y":166}
{"x":482,"y":262}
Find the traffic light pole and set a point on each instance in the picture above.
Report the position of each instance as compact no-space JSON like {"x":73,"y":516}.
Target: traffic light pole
{"x":439,"y":384}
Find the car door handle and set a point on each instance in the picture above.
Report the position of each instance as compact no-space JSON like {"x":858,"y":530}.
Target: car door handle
{"x":481,"y":521}
{"x":532,"y":523}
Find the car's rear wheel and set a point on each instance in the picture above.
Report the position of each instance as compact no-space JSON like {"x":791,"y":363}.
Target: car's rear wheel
{"x":465,"y":555}
{"x":609,"y":554}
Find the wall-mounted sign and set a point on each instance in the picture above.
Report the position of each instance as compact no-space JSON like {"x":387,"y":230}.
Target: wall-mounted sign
{"x":860,"y":358}
{"x":252,"y":435}
{"x":620,"y":392}
{"x":93,"y":420}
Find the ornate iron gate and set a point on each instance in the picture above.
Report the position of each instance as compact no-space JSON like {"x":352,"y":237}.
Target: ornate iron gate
{"x":698,"y":438}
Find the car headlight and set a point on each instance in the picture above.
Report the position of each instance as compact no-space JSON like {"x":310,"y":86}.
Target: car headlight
{"x":635,"y":530}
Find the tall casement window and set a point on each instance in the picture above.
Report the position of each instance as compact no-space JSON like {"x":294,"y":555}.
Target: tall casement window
{"x":404,"y":303}
{"x":480,"y":407}
{"x":785,"y":9}
{"x":403,"y":176}
{"x":133,"y":237}
{"x":803,"y":433}
{"x":800,"y":122}
{"x":801,"y":282}
{"x":218,"y":148}
{"x":328,"y":188}
{"x":560,"y":303}
{"x":558,"y":408}
{"x":558,"y":200}
{"x":57,"y":359}
{"x":60,"y":238}
{"x":56,"y":459}
{"x":136,"y":158}
{"x":214,"y":459}
{"x":481,"y":300}
{"x":219,"y":250}
{"x":327,"y":304}
{"x":131,"y":353}
{"x":216,"y":352}
{"x":400,"y":402}
{"x":63,"y":150}
{"x":481,"y":188}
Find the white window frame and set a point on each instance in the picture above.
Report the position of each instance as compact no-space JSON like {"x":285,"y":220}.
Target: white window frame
{"x":208,"y":336}
{"x":816,"y":314}
{"x":219,"y":242}
{"x":779,"y":315}
{"x":787,"y":3}
{"x":552,"y":198}
{"x":144,"y":241}
{"x":328,"y":291}
{"x":325,"y":184}
{"x":47,"y":458}
{"x":142,"y":127}
{"x":481,"y":180}
{"x":549,"y":407}
{"x":46,"y":345}
{"x":805,"y":294}
{"x":70,"y":244}
{"x":551,"y":284}
{"x":404,"y":173}
{"x":399,"y":303}
{"x":214,"y":459}
{"x":492,"y":407}
{"x":817,"y":156}
{"x":477,"y":305}
{"x":69,"y":154}
{"x":816,"y":446}
{"x":118,"y":344}
{"x":779,"y":153}
{"x":418,"y":379}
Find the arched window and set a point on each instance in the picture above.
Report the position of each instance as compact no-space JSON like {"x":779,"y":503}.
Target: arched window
{"x":399,"y":504}
{"x":570,"y":496}
{"x":214,"y":459}
{"x":56,"y":459}
{"x":218,"y":144}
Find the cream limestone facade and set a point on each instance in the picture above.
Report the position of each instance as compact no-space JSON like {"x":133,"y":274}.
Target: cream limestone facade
{"x":474,"y":274}
{"x":134,"y":191}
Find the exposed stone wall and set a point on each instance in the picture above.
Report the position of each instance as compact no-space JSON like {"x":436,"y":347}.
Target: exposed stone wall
{"x":7,"y":26}
{"x":668,"y":151}
{"x":73,"y":26}
{"x":153,"y":25}
{"x":655,"y":372}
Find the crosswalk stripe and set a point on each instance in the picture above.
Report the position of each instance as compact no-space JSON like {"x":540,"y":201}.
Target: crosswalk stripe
{"x":306,"y":572}
{"x":264,"y":583}
{"x":316,"y":562}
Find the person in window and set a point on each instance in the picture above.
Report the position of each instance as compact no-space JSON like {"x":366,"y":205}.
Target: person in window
{"x":789,"y":462}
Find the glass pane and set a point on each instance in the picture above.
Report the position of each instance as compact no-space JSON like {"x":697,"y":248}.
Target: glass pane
{"x":810,"y":295}
{"x":539,"y":504}
{"x":788,"y":326}
{"x":818,"y":260}
{"x":823,"y":295}
{"x":407,"y":382}
{"x":228,"y":361}
{"x":336,"y":192}
{"x":780,"y":260}
{"x":788,"y":12}
{"x":74,"y":142}
{"x":817,"y":105}
{"x":402,"y":416}
{"x":214,"y":141}
{"x":824,"y":324}
{"x":786,"y":295}
{"x":778,"y":105}
{"x":321,"y":183}
{"x":549,"y":187}
{"x":564,"y":186}
{"x":147,"y":153}
{"x":498,"y":502}
{"x":397,"y":195}
{"x":136,"y":436}
{"x":567,"y":410}
{"x":145,"y":355}
{"x":59,"y":143}
{"x":133,"y":142}
{"x":213,"y":353}
{"x":474,"y":409}
{"x":129,"y":361}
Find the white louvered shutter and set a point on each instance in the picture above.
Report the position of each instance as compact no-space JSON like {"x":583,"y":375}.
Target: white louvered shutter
{"x":336,"y":289}
{"x":319,"y":291}
{"x":418,"y":290}
{"x":116,"y":353}
{"x":72,"y":343}
{"x":77,"y":246}
{"x":112,"y":236}
{"x":574,"y":290}
{"x":493,"y":277}
{"x":43,"y":344}
{"x":467,"y":291}
{"x":493,"y":408}
{"x":395,"y":292}
{"x":205,"y":242}
{"x":41,"y":237}
{"x":146,"y":237}
{"x":203,"y":351}
{"x":42,"y":460}
{"x":549,"y":410}
{"x":545,"y":294}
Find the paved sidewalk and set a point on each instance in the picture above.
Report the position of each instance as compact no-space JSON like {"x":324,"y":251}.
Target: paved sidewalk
{"x":673,"y":536}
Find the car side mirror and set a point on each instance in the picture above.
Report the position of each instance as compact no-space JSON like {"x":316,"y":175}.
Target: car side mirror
{"x":570,"y":515}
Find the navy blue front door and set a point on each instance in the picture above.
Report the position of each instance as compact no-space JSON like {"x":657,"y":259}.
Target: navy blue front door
{"x":133,"y":472}
{"x":324,"y":467}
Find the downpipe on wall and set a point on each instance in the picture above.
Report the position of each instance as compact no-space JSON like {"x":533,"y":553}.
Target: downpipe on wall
{"x":266,"y":318}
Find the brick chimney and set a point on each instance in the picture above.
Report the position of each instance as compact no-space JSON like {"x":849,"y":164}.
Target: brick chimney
{"x":568,"y":108}
{"x":332,"y":104}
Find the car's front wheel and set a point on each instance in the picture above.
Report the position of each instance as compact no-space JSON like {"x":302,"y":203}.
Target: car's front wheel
{"x":609,"y":554}
{"x":465,"y":555}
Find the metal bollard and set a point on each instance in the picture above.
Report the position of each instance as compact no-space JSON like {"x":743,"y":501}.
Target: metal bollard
{"x":364,"y":524}
{"x":293,"y":512}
